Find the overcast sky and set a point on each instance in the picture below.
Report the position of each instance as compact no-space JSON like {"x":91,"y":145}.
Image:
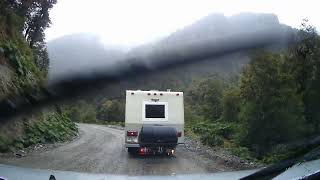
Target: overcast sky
{"x":131,"y":23}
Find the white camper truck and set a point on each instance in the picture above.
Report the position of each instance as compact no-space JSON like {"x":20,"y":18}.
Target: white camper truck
{"x":154,"y":121}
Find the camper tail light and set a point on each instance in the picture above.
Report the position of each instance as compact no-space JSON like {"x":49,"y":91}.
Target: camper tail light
{"x":132,"y":133}
{"x":179,"y":134}
{"x":132,"y":136}
{"x":142,"y":151}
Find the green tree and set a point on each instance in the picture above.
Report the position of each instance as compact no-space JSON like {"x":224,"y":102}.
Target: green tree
{"x":36,"y":13}
{"x":111,"y":110}
{"x":272,"y":112}
{"x":207,"y":95}
{"x":37,"y":20}
{"x":30,"y":18}
{"x":303,"y":63}
{"x":81,"y":111}
{"x":231,"y":103}
{"x":41,"y":57}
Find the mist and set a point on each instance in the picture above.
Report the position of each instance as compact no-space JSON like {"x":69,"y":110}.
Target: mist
{"x":86,"y":54}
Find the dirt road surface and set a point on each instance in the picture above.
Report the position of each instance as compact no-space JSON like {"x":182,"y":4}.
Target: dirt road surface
{"x":100,"y":149}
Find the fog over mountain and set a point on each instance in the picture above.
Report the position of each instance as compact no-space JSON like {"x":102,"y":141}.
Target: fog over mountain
{"x":80,"y":52}
{"x":77,"y":53}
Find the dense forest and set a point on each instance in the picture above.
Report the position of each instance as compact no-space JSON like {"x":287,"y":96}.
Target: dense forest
{"x":271,"y":107}
{"x":24,"y":66}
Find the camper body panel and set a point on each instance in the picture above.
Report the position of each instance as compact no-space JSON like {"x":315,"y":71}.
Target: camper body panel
{"x":139,"y":107}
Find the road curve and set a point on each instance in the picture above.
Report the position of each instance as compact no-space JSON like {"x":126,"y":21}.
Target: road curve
{"x":101,"y":150}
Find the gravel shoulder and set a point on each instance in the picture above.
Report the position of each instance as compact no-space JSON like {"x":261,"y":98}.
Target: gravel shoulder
{"x":100,"y":149}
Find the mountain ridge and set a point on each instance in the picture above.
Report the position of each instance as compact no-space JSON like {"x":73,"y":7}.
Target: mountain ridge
{"x":83,"y":54}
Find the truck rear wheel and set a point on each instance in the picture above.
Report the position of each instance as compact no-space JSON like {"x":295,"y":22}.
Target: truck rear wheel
{"x":132,"y":150}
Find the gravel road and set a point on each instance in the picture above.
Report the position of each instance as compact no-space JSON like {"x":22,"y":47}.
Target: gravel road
{"x":100,"y":149}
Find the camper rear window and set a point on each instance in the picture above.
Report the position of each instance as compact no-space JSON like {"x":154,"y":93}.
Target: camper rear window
{"x":155,"y":111}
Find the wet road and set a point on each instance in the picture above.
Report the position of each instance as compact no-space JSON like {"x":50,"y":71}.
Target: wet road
{"x":101,"y":150}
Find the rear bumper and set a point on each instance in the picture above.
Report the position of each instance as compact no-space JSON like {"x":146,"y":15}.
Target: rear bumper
{"x":127,"y":145}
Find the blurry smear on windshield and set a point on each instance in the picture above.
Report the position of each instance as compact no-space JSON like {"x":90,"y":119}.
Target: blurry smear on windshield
{"x":85,"y":53}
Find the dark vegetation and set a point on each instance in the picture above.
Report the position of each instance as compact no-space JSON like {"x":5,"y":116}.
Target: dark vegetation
{"x":274,"y":103}
{"x":24,"y":64}
{"x":109,"y":112}
{"x":51,"y":127}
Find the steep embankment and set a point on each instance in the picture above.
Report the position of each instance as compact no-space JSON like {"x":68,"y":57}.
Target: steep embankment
{"x":19,"y":75}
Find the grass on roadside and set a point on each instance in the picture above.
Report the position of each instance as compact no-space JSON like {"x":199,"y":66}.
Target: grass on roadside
{"x":219,"y":134}
{"x":53,"y":127}
{"x":115,"y":123}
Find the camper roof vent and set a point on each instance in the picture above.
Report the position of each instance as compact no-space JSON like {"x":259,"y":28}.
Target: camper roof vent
{"x":168,"y":90}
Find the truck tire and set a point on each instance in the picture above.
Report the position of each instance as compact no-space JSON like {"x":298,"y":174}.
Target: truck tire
{"x":132,"y":150}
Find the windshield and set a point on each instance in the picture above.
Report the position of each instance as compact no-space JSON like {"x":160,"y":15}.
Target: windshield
{"x":158,"y":87}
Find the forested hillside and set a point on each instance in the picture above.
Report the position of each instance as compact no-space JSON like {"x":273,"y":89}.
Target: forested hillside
{"x":271,"y":111}
{"x":24,"y":64}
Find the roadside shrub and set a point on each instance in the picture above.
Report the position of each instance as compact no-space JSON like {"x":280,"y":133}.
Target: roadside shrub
{"x":3,"y":144}
{"x":53,"y":128}
{"x":241,"y":152}
{"x":20,"y":59}
{"x":211,"y":139}
{"x":111,"y":110}
{"x":225,"y":130}
{"x":81,"y":111}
